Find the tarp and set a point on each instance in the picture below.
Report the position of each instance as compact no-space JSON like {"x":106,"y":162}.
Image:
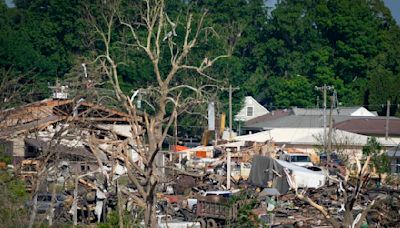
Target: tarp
{"x":265,"y":169}
{"x":178,"y":148}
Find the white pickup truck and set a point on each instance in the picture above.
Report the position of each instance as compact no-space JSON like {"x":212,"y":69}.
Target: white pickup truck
{"x":297,"y":159}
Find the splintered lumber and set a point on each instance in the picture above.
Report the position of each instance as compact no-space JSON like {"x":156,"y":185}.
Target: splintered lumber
{"x":88,"y":184}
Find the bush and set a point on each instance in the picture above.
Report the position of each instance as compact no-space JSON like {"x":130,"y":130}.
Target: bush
{"x":12,"y":198}
{"x":4,"y":158}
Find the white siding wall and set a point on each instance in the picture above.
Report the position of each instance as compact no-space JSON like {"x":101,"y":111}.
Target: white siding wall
{"x":251,"y":103}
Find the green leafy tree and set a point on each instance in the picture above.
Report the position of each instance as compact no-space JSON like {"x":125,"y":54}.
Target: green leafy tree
{"x":42,"y":36}
{"x":352,"y":45}
{"x":12,"y":198}
{"x":379,"y":160}
{"x":295,"y":91}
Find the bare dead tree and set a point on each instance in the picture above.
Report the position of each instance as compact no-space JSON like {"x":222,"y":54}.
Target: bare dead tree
{"x":343,"y":145}
{"x":42,"y":172}
{"x":153,"y":33}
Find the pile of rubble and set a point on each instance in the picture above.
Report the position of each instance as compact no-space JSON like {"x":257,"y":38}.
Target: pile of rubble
{"x":202,"y":186}
{"x":289,"y":210}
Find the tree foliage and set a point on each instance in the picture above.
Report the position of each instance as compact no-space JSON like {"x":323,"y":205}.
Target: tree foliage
{"x":380,"y":161}
{"x":352,"y":45}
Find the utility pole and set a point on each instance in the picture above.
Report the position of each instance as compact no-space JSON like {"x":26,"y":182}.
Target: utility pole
{"x":328,"y":154}
{"x":228,"y":155}
{"x":324,"y":106}
{"x":228,"y":168}
{"x":230,"y":112}
{"x":324,"y":90}
{"x":387,"y":119}
{"x":230,"y":89}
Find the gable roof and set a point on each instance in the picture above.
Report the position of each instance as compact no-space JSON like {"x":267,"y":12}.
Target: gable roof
{"x":275,"y":114}
{"x":305,"y":118}
{"x":258,"y":109}
{"x":363,"y":112}
{"x":341,"y":111}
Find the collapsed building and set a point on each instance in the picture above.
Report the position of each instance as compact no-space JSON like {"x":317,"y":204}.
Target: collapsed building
{"x":50,"y":143}
{"x":77,"y":144}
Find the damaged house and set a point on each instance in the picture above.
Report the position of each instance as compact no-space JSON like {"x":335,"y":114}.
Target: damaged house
{"x":72,"y":144}
{"x":27,"y":130}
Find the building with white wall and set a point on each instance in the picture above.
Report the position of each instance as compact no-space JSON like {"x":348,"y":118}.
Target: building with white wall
{"x":250,"y":110}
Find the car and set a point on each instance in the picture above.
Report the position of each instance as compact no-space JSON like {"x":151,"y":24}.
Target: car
{"x":44,"y":202}
{"x":303,"y":160}
{"x":334,"y":158}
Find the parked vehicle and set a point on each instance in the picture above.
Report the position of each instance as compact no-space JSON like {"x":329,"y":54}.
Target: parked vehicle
{"x":334,"y":158}
{"x":44,"y":202}
{"x":297,"y":159}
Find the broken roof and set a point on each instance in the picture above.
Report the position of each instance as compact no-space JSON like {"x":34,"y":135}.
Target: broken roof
{"x":40,"y":114}
{"x":61,"y":149}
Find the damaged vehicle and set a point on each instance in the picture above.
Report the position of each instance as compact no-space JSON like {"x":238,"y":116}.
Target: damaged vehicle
{"x":44,"y":203}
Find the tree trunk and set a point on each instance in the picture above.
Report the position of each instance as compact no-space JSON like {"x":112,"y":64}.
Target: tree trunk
{"x":150,"y":219}
{"x":348,"y":218}
{"x":53,"y":199}
{"x":75,"y":204}
{"x":34,"y":208}
{"x":120,"y":208}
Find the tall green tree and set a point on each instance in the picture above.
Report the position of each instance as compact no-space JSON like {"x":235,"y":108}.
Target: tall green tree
{"x":352,"y":45}
{"x":42,"y":36}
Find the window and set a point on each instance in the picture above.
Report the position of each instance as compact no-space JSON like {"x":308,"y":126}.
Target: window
{"x":85,"y":168}
{"x":29,"y":167}
{"x":46,"y":198}
{"x":397,"y":170}
{"x":250,"y":111}
{"x":300,"y":159}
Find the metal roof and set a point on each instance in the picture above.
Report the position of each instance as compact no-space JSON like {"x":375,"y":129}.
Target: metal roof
{"x":310,"y":136}
{"x":293,"y":121}
{"x":371,"y":126}
{"x":341,"y":111}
